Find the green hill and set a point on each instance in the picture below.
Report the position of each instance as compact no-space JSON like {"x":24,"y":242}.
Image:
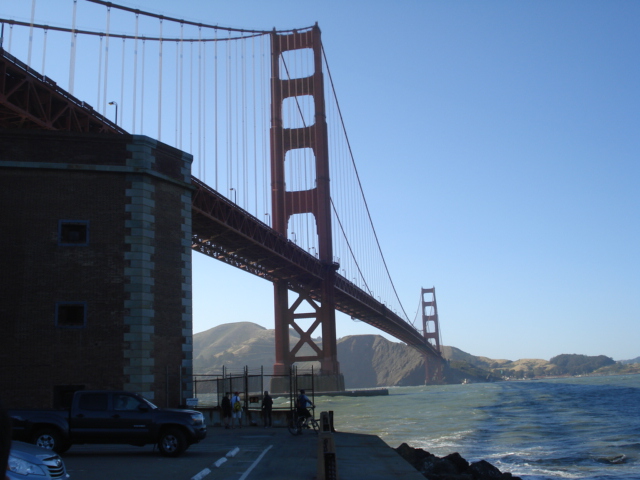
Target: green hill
{"x":236,"y":345}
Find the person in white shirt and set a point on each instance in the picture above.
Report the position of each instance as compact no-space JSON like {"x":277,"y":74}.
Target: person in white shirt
{"x":236,"y":409}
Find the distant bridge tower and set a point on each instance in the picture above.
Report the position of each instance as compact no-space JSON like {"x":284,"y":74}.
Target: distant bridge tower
{"x":431,"y":332}
{"x":317,"y":305}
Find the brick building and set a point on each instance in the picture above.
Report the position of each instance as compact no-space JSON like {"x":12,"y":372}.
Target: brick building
{"x":95,"y":284}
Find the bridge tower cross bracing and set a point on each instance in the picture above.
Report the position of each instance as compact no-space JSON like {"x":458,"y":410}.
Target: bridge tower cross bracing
{"x":431,"y":332}
{"x":314,"y":200}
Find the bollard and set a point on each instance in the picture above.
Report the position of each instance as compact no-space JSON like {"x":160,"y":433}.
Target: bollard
{"x":325,"y":422}
{"x":327,"y":465}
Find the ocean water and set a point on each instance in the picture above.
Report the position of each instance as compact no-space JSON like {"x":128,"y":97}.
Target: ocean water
{"x":587,"y":428}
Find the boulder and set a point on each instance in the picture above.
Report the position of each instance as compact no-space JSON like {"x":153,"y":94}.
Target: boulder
{"x":451,"y":467}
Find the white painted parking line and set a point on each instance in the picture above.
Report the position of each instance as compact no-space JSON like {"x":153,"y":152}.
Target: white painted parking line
{"x":233,"y":453}
{"x":253,"y":465}
{"x":201,"y":475}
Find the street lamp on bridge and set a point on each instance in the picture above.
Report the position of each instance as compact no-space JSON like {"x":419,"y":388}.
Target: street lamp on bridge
{"x":116,"y":105}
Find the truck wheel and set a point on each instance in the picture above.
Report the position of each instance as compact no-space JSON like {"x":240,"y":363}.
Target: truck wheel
{"x":172,"y":442}
{"x":51,"y":439}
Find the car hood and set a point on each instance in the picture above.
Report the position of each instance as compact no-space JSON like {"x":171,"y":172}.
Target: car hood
{"x":177,"y":410}
{"x":30,"y":452}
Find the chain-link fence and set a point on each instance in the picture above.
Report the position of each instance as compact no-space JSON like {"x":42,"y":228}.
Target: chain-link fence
{"x":209,"y":389}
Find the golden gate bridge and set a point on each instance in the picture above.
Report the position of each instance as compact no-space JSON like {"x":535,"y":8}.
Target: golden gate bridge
{"x":277,"y":192}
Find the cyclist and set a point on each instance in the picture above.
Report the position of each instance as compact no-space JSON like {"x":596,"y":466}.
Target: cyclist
{"x":303,"y":404}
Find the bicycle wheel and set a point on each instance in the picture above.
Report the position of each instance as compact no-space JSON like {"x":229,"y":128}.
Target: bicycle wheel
{"x":314,"y":423}
{"x":294,"y":425}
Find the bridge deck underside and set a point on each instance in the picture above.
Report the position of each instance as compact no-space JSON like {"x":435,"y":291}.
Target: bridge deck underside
{"x":226,"y":232}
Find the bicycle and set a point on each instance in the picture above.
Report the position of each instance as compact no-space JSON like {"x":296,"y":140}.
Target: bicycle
{"x":298,"y":424}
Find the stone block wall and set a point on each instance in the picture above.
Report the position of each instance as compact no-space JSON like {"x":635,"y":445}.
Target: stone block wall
{"x":95,"y":252}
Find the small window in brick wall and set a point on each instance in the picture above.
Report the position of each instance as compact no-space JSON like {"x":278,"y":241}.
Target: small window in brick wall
{"x":73,"y":232}
{"x":71,"y":314}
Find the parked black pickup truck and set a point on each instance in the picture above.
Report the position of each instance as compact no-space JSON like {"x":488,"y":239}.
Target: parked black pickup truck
{"x":110,"y":417}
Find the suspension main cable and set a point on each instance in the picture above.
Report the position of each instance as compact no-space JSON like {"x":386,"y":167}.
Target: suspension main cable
{"x":355,"y":260}
{"x":40,"y":26}
{"x":186,"y":22}
{"x":360,"y":183}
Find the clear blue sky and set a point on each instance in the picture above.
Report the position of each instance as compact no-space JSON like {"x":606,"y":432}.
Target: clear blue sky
{"x":498,"y":143}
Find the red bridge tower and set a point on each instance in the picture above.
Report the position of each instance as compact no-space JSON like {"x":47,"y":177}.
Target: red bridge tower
{"x":431,"y":332}
{"x":319,"y":306}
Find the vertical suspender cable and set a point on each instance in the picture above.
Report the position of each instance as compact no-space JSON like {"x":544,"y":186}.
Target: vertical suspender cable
{"x":180,"y":93}
{"x":215,"y":105}
{"x":238,"y":117}
{"x":33,"y":16}
{"x":106,"y":61}
{"x":10,"y":37}
{"x":135,"y":78}
{"x":142,"y":89}
{"x":44,"y":50}
{"x":160,"y":84}
{"x":177,"y":95}
{"x":310,"y":159}
{"x":99,"y":71}
{"x":122,"y":109}
{"x":204,"y":113}
{"x":191,"y":97}
{"x":264,"y":79}
{"x":200,"y":74}
{"x":255,"y":125}
{"x":245,"y":158}
{"x":74,"y":38}
{"x":228,"y":111}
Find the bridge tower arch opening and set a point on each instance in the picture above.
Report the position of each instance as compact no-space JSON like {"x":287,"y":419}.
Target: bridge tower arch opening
{"x":316,"y":302}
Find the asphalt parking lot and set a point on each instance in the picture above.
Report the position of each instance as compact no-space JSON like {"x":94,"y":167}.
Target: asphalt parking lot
{"x":259,"y":453}
{"x":256,"y":453}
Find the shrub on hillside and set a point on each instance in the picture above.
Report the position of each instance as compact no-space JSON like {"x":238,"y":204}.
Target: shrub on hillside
{"x":573,"y":364}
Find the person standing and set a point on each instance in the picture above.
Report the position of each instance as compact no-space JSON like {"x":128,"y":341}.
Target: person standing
{"x":226,"y":410}
{"x":236,"y":405}
{"x":267,"y":406}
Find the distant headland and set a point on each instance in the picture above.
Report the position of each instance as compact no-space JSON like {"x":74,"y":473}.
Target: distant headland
{"x":369,"y":361}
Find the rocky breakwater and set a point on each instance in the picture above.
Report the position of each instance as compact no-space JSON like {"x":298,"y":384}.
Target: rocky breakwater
{"x":451,"y":467}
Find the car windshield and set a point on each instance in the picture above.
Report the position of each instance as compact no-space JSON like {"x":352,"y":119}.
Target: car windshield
{"x":153,"y":407}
